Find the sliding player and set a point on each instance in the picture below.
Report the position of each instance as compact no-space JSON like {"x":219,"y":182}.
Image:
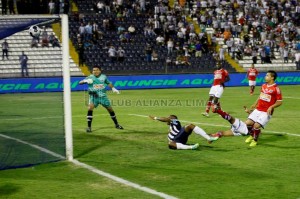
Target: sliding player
{"x":178,"y":135}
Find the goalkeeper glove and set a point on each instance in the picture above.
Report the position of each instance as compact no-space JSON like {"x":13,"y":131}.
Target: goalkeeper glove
{"x":115,"y":90}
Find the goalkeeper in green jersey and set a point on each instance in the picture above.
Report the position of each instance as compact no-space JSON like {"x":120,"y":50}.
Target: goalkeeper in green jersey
{"x":97,"y":83}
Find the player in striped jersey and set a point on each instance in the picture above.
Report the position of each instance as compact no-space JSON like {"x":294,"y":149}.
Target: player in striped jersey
{"x":178,"y":135}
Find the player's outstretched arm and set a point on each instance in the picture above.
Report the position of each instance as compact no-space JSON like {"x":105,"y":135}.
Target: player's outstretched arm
{"x":86,"y":81}
{"x":162,"y":119}
{"x":113,"y":88}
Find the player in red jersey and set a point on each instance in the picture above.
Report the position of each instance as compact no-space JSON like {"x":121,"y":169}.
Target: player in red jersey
{"x":251,"y":75}
{"x":270,"y":98}
{"x":220,"y":77}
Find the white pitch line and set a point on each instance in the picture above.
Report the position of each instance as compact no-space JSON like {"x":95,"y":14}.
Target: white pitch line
{"x":97,"y":171}
{"x":291,"y":97}
{"x":123,"y":181}
{"x":209,"y":124}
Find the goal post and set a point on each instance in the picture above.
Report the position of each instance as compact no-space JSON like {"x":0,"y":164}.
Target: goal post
{"x":67,"y":109}
{"x":67,"y":87}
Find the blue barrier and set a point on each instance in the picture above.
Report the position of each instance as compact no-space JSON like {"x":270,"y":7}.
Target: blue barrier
{"x":26,"y":85}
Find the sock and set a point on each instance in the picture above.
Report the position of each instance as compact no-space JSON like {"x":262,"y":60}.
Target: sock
{"x":113,"y":117}
{"x":250,"y":130}
{"x":225,"y":115}
{"x":256,"y":133}
{"x":89,"y":118}
{"x":183,"y":146}
{"x":208,"y":105}
{"x":201,"y":132}
{"x":218,"y":134}
{"x":218,"y":105}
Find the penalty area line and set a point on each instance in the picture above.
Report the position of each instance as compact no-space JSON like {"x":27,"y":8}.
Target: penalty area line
{"x":219,"y":125}
{"x":92,"y":169}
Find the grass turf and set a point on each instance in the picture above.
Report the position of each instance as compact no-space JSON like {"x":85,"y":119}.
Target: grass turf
{"x":227,"y":168}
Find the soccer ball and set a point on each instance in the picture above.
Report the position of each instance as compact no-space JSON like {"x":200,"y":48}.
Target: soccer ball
{"x":34,"y":31}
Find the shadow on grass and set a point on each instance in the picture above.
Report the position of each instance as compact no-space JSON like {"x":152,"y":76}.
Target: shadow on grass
{"x":8,"y":189}
{"x":269,"y":139}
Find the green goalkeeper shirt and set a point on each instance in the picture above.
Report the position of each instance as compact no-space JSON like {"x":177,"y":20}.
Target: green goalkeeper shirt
{"x":99,"y":84}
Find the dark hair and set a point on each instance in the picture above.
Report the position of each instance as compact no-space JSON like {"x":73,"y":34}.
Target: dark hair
{"x":97,"y":67}
{"x":273,"y":74}
{"x":174,"y":116}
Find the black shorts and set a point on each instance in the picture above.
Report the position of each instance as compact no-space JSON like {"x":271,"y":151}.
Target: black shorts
{"x":182,"y":136}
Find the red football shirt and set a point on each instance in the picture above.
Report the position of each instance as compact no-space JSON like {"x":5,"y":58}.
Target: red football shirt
{"x":269,"y":94}
{"x":220,"y":76}
{"x":252,"y":74}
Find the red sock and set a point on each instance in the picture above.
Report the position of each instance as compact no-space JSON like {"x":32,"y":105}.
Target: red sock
{"x":256,"y":133}
{"x":219,"y":105}
{"x":250,"y":130}
{"x":224,"y":115}
{"x":217,"y":134}
{"x":208,"y":105}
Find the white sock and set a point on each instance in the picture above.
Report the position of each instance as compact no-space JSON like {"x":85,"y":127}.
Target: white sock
{"x":183,"y":146}
{"x":201,"y":132}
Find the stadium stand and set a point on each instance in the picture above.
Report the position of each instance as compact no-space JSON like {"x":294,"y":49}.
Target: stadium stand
{"x":43,"y":61}
{"x":206,"y":18}
{"x":135,"y":59}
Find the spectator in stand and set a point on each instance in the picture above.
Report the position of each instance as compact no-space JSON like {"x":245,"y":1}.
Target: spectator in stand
{"x":81,"y":31}
{"x":170,"y":46}
{"x":100,"y":7}
{"x":297,"y":59}
{"x":222,"y":54}
{"x":121,"y":29}
{"x":154,"y":56}
{"x":148,"y":52}
{"x":227,"y":35}
{"x":81,"y":58}
{"x":11,"y":7}
{"x":131,"y":30}
{"x":66,"y":7}
{"x":112,"y":53}
{"x":4,"y":7}
{"x":121,"y":54}
{"x":160,"y":40}
{"x":254,"y":55}
{"x":51,"y":38}
{"x":122,"y":37}
{"x":88,"y":31}
{"x":286,"y":55}
{"x":23,"y":62}
{"x":45,"y":41}
{"x":55,"y":43}
{"x":198,"y":49}
{"x":262,"y":53}
{"x":5,"y":48}
{"x":128,"y":37}
{"x":34,"y":42}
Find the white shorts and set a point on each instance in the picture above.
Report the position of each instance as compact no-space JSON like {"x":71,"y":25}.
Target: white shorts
{"x":252,"y":83}
{"x":216,"y":91}
{"x":260,"y":117}
{"x":239,"y":128}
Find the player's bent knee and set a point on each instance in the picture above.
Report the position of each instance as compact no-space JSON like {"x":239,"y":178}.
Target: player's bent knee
{"x":172,"y":145}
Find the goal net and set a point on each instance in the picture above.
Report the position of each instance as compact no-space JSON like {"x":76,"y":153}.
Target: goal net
{"x":35,"y":126}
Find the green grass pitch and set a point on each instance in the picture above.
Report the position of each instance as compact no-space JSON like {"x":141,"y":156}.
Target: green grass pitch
{"x":224,"y":169}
